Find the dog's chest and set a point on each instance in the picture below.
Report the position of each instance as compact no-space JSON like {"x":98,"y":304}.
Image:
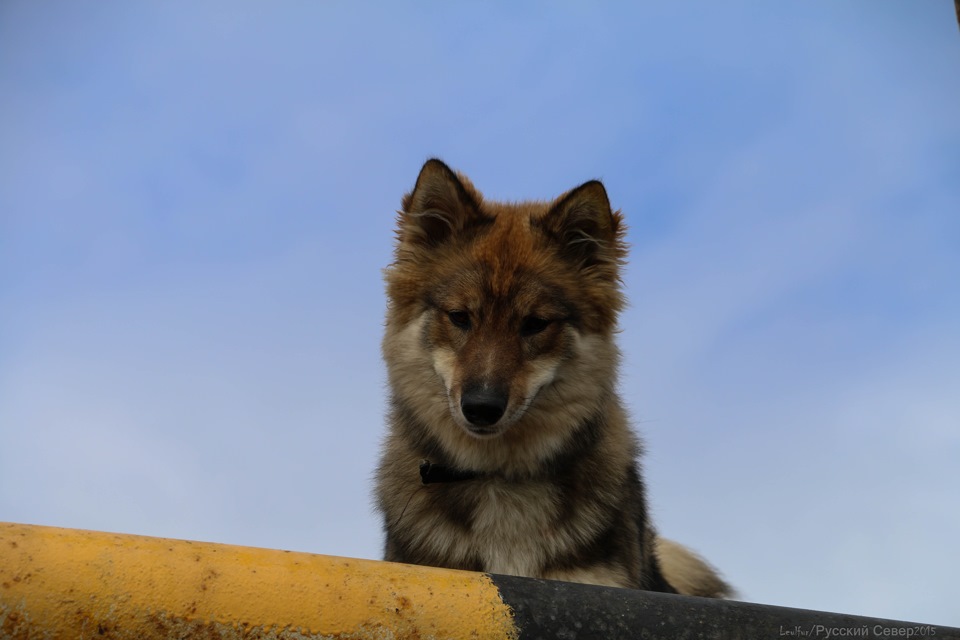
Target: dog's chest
{"x":514,"y":527}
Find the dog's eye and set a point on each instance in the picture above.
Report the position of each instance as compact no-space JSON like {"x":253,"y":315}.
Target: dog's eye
{"x":460,"y":319}
{"x":532,"y":325}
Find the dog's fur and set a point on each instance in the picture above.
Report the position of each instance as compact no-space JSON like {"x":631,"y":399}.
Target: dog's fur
{"x":503,"y":373}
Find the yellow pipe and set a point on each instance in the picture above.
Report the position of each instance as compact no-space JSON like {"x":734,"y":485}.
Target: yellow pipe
{"x":68,"y":583}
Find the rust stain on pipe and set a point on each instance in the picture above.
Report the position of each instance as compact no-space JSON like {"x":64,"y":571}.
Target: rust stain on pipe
{"x":68,"y":583}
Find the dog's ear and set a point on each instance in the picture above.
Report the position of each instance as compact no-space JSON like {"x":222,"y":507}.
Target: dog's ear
{"x":441,"y":205}
{"x":588,"y":231}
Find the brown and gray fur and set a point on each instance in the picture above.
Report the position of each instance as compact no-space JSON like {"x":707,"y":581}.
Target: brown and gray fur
{"x":502,"y":367}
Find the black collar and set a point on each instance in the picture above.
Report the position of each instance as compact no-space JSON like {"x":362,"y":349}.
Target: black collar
{"x":431,"y":472}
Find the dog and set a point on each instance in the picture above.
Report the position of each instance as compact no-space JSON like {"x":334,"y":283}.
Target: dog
{"x":508,"y":449}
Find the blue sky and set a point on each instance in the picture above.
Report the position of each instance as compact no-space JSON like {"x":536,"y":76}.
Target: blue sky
{"x":196,"y":202}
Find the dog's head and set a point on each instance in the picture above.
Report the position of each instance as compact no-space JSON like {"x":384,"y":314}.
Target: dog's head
{"x":503,"y":301}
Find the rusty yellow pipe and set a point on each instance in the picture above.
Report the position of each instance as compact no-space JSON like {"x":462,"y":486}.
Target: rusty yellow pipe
{"x":68,"y":583}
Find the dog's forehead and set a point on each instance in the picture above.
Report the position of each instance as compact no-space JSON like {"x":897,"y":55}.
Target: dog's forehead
{"x":511,"y":241}
{"x":511,"y":262}
{"x":501,"y":281}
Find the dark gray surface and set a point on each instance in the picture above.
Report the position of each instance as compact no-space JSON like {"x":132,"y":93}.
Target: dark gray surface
{"x":545,"y":609}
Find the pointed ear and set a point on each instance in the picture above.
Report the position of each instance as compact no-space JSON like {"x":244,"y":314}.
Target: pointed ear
{"x":439,"y":207}
{"x":588,"y":231}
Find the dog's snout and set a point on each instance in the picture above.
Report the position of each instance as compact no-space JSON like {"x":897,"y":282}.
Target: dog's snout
{"x":483,"y":406}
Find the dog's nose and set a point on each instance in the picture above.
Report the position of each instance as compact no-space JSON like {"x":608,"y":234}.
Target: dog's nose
{"x":482,"y":406}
